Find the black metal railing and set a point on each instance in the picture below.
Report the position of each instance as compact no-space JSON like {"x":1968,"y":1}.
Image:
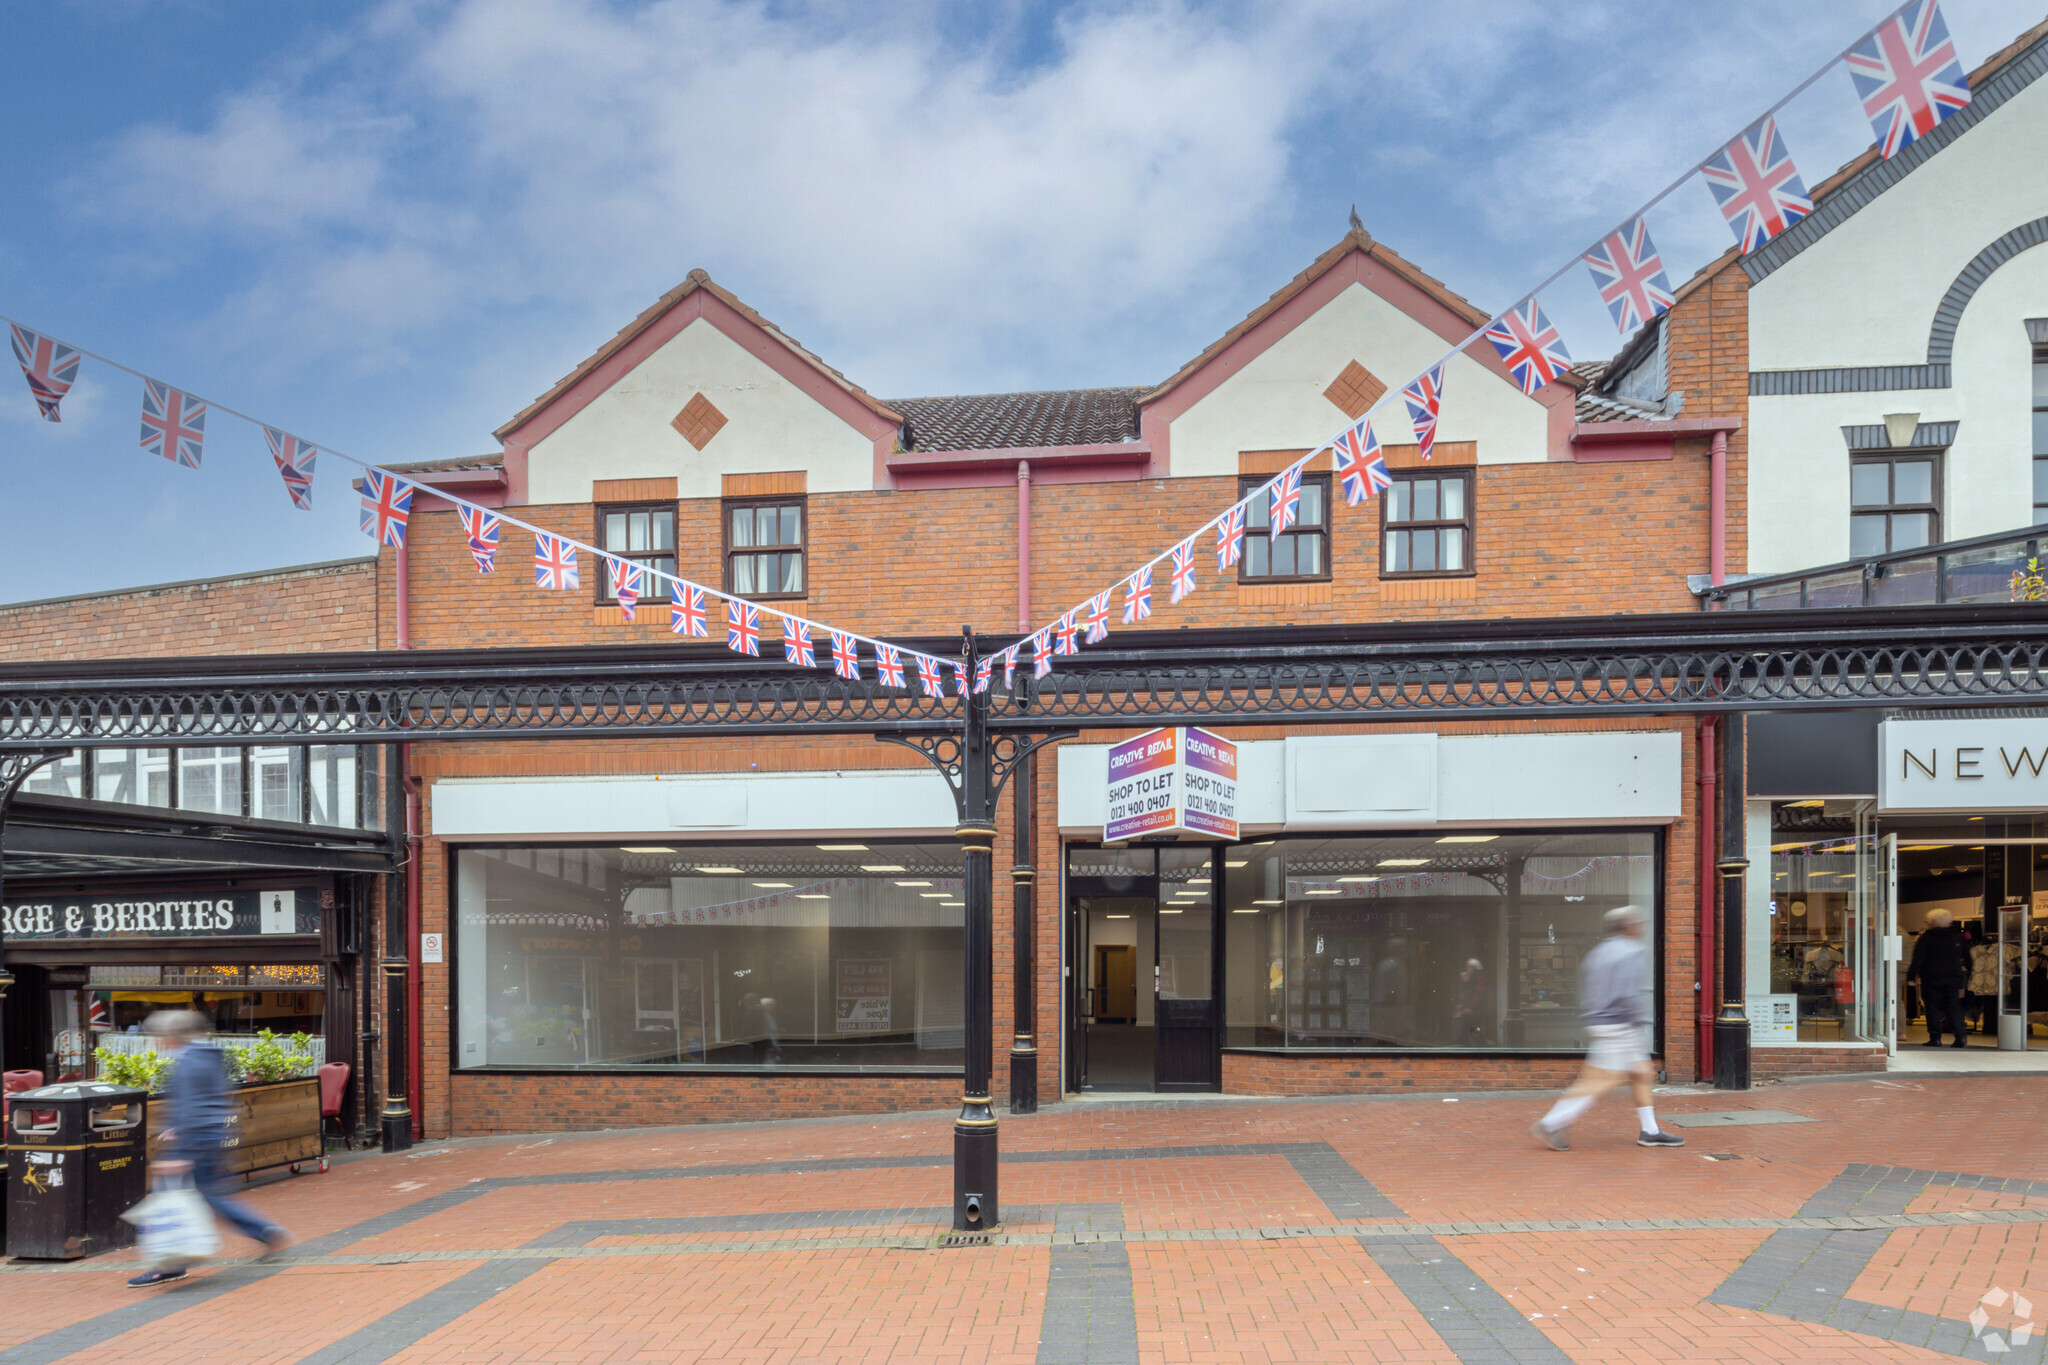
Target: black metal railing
{"x":1956,"y":571}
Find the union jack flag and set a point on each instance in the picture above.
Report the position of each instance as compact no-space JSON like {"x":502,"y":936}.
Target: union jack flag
{"x":387,"y":502}
{"x":1630,"y":276}
{"x":982,"y":671}
{"x":295,"y":463}
{"x":1041,"y":652}
{"x":1907,"y":76}
{"x":845,"y":655}
{"x":1230,"y":538}
{"x":50,"y":367}
{"x":482,"y":529}
{"x":889,"y":665}
{"x":687,"y":614}
{"x":627,"y":579}
{"x":554,"y":562}
{"x":1360,"y":466}
{"x":1066,"y":635}
{"x":1285,"y":502}
{"x":743,"y":628}
{"x":1183,"y":566}
{"x":173,"y":423}
{"x":796,"y":643}
{"x":1757,"y":186}
{"x":1425,"y":398}
{"x":1010,"y":665}
{"x":1531,"y":348}
{"x":929,"y":678}
{"x":1138,"y":596}
{"x":960,"y":678}
{"x":1098,"y":619}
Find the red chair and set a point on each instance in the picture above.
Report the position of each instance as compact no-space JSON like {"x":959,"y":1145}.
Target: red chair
{"x":333,"y":1082}
{"x":13,"y":1081}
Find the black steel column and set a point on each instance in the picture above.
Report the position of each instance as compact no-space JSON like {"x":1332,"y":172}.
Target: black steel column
{"x":1731,"y":1024}
{"x":1023,"y":876}
{"x":397,"y":1116}
{"x":974,"y":1133}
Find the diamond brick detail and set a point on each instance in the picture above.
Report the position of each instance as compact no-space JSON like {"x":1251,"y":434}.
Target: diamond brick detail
{"x":699,"y":421}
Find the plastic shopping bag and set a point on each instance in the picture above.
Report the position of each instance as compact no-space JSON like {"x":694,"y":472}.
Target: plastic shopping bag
{"x":173,"y":1226}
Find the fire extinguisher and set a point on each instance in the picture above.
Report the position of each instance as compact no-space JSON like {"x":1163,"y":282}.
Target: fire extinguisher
{"x":1845,"y":987}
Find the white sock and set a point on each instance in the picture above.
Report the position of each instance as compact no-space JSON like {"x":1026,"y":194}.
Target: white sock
{"x":1647,"y":1115}
{"x":1567,"y":1109}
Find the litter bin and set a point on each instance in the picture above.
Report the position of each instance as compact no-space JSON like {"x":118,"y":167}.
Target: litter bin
{"x":75,"y":1164}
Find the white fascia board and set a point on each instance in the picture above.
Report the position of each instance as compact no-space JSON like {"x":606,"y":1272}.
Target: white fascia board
{"x":723,"y":805}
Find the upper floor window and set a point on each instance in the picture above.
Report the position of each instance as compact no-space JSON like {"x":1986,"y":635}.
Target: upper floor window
{"x":2040,"y":435}
{"x":320,"y":784}
{"x":645,"y":534}
{"x":1426,"y":525}
{"x":1301,"y":553}
{"x":764,"y":547}
{"x":1894,"y":502}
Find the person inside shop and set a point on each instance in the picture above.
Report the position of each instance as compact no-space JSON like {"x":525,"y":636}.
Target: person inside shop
{"x":196,"y":1096}
{"x":1941,"y":969}
{"x":1472,"y":1024}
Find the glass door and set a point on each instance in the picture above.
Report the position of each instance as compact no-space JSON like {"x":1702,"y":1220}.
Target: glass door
{"x":1187,"y":1051}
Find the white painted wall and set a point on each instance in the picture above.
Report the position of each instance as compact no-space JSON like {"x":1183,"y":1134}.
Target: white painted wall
{"x":1276,"y":402}
{"x":1529,"y":781}
{"x":771,"y":425}
{"x":651,"y":809}
{"x":1865,"y":294}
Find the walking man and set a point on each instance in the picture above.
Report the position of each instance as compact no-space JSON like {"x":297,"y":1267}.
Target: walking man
{"x":1614,"y":1000}
{"x":197,"y":1097}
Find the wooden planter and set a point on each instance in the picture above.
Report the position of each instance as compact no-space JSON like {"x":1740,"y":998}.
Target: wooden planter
{"x":270,"y":1123}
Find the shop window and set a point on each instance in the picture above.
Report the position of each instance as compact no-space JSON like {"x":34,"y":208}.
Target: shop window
{"x":136,"y":777}
{"x":645,"y":534}
{"x":754,"y":956}
{"x":1894,"y":502}
{"x":2040,"y":435}
{"x":65,"y":777}
{"x":1300,"y":554}
{"x":765,"y":543}
{"x":1426,"y":526}
{"x":1466,"y":941}
{"x":210,"y":780}
{"x":335,"y":785}
{"x":277,"y":783}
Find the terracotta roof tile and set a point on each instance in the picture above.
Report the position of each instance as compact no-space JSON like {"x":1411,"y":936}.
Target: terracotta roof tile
{"x":999,"y":421}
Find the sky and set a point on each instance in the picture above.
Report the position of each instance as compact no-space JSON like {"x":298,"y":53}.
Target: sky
{"x":387,"y":227}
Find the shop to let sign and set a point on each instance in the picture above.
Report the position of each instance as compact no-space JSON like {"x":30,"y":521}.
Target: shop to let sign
{"x":863,"y":995}
{"x":1179,"y":780}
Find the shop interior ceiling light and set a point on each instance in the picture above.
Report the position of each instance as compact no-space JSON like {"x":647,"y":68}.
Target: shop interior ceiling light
{"x":773,"y":886}
{"x":1468,"y":838}
{"x":629,"y":848}
{"x":1269,"y":902}
{"x":934,"y":895}
{"x":881,"y":867}
{"x":1168,"y":910}
{"x":911,"y":883}
{"x":951,"y":905}
{"x":1404,"y":862}
{"x":1322,"y":891}
{"x":723,"y":871}
{"x":1117,"y":917}
{"x":1239,"y":863}
{"x":844,"y":848}
{"x":813,"y":896}
{"x":1358,"y":879}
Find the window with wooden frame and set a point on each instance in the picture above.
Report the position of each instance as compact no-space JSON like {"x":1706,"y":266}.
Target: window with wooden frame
{"x":765,"y":544}
{"x":1894,"y":501}
{"x":1426,"y":525}
{"x":1301,"y":553}
{"x":644,"y":533}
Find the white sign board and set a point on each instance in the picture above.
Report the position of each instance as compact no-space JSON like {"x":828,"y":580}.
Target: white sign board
{"x":278,"y":911}
{"x":430,"y":947}
{"x":1938,"y":765}
{"x":1773,"y":1018}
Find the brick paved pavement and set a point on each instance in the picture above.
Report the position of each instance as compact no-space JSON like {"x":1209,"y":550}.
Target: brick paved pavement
{"x":1383,"y":1229}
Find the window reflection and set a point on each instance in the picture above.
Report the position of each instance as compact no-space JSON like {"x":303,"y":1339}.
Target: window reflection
{"x":737,"y":955}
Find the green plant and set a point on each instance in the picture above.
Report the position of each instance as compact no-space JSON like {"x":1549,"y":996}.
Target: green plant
{"x":144,"y":1070}
{"x":2030,"y":584}
{"x":266,"y":1059}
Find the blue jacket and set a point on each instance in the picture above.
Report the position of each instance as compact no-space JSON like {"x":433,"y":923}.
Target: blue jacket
{"x":197,"y":1096}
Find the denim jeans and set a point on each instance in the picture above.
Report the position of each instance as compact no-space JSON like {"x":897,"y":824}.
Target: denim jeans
{"x":207,"y":1176}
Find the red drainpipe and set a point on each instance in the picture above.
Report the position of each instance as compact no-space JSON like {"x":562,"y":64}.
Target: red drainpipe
{"x":1708,"y":812}
{"x":1023,"y":544}
{"x":1717,"y":511}
{"x":414,"y":1048}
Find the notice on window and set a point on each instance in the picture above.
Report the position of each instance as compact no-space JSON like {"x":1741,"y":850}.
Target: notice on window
{"x":1773,"y":1018}
{"x":863,"y":995}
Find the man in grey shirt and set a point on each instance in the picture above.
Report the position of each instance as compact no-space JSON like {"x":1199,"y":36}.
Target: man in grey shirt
{"x":1614,"y":1001}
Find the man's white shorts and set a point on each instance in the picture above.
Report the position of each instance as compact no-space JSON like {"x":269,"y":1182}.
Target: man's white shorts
{"x":1617,"y":1047}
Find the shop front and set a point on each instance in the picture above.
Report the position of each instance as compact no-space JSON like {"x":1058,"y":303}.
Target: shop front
{"x":1399,"y":910}
{"x":1879,"y":824}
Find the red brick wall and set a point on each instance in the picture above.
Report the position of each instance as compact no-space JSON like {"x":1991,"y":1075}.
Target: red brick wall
{"x":307,"y":610}
{"x":486,"y":1102}
{"x":1265,"y":1073}
{"x":1776,"y":1063}
{"x":1707,"y":354}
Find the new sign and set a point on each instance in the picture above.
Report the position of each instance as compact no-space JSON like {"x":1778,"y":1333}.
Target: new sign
{"x":1937,"y":765}
{"x":1181,"y":780}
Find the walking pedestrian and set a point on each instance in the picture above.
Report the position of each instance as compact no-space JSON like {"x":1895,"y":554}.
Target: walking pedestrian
{"x":196,"y":1097}
{"x":1941,"y":969}
{"x":1614,"y":1002}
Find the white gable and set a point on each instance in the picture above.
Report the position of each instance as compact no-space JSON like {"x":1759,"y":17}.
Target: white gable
{"x":1276,"y":401}
{"x":771,"y":425}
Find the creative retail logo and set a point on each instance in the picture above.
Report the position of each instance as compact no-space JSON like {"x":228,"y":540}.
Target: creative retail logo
{"x":1996,"y":1343}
